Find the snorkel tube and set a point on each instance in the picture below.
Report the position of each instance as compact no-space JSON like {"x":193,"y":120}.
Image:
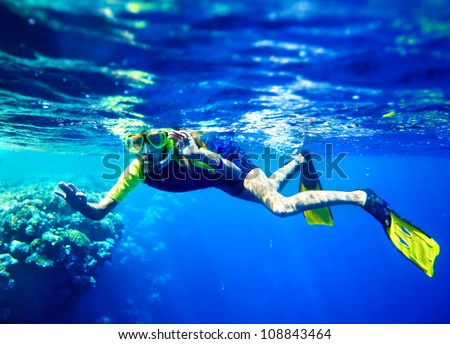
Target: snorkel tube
{"x":169,"y":155}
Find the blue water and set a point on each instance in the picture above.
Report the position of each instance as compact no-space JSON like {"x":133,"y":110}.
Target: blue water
{"x":369,"y":77}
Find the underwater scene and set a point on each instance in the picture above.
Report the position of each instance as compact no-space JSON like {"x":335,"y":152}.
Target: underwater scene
{"x":362,"y":84}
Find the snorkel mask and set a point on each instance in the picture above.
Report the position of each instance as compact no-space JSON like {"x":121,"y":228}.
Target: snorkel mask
{"x":157,"y":139}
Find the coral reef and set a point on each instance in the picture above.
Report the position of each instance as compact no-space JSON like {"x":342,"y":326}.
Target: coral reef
{"x":48,"y":253}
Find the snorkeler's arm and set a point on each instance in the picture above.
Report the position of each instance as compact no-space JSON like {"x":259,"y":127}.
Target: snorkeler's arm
{"x":131,"y":177}
{"x":190,"y":150}
{"x":97,"y":211}
{"x":78,"y":201}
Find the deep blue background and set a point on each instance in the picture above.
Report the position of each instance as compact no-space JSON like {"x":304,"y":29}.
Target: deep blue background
{"x":369,"y":77}
{"x":348,"y":273}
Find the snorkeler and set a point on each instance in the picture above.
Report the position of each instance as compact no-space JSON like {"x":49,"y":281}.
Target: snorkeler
{"x":178,"y":161}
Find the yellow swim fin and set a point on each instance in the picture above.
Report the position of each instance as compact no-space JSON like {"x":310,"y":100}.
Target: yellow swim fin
{"x":309,"y":181}
{"x":413,"y":243}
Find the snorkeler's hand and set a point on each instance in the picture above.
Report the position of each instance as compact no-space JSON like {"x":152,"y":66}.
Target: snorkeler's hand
{"x":187,"y":145}
{"x":72,"y":195}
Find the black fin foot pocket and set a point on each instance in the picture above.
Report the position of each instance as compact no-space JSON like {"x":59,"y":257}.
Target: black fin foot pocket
{"x":378,"y":208}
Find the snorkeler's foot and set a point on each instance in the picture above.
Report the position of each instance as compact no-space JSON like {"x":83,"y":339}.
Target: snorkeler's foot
{"x":298,"y":156}
{"x":377,"y":207}
{"x":411,"y":241}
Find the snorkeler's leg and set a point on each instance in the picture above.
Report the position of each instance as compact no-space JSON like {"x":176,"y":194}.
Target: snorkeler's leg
{"x":281,"y":176}
{"x":258,"y":188}
{"x":412,"y":242}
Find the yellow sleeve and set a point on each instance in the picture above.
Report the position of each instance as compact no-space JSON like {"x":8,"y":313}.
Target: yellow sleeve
{"x":129,"y":179}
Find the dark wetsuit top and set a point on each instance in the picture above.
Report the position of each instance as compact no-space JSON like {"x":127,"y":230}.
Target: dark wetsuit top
{"x":177,"y":178}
